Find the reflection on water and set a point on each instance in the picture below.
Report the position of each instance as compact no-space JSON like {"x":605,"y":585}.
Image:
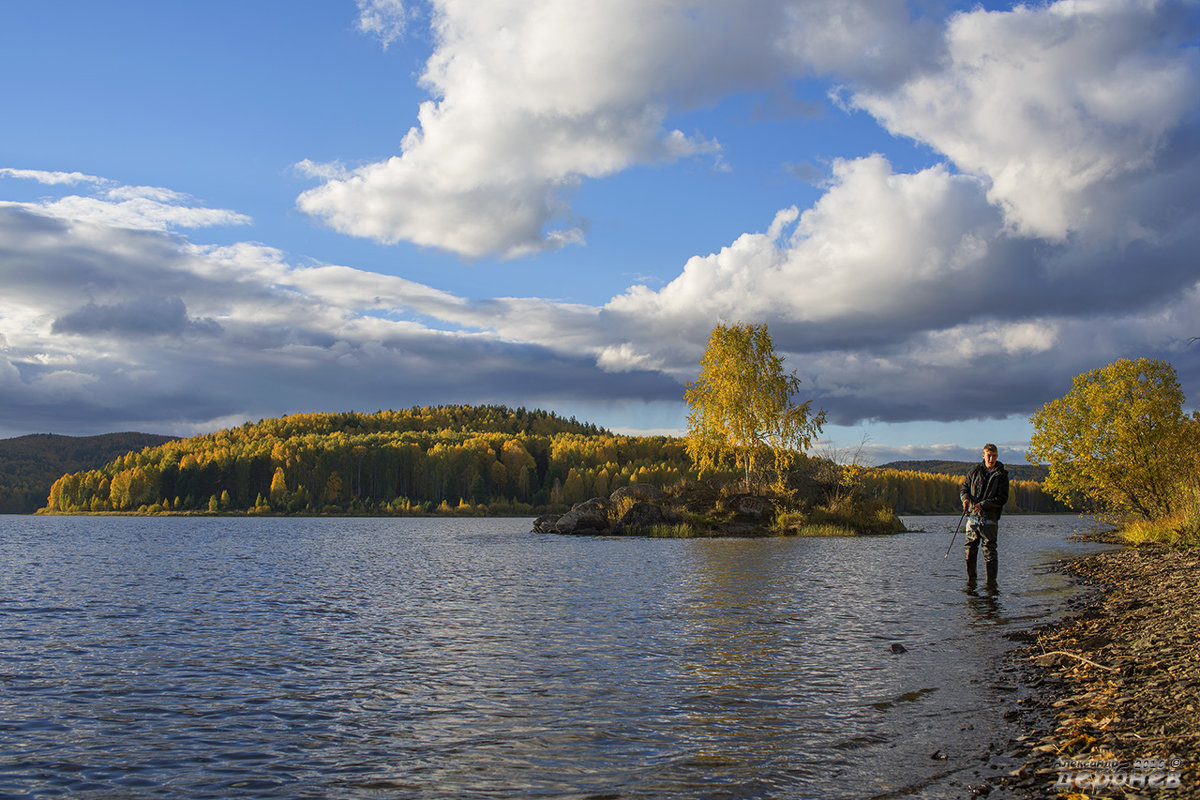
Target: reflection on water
{"x":434,"y":658}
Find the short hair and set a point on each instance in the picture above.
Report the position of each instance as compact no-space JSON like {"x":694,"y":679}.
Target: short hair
{"x":990,"y":448}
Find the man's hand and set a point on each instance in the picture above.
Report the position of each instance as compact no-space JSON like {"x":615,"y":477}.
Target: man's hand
{"x":966,"y":504}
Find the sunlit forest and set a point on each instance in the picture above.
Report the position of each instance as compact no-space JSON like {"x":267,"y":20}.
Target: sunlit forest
{"x":470,"y":459}
{"x":445,"y":459}
{"x":910,"y":492}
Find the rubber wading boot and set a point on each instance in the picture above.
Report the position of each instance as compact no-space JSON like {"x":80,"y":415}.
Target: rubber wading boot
{"x":970,"y":570}
{"x":992,"y":567}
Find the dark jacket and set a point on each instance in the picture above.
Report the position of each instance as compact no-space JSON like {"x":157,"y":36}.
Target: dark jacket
{"x":986,"y":487}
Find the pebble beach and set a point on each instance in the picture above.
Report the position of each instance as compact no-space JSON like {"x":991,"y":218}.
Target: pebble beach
{"x":1111,"y":692}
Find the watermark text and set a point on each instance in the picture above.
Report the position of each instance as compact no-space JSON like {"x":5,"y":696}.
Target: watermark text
{"x":1077,"y":774}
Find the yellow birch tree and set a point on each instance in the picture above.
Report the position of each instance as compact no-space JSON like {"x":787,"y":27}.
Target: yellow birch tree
{"x":742,"y":408}
{"x":1117,"y":441}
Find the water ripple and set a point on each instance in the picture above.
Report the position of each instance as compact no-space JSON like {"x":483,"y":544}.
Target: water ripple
{"x":433,"y":658}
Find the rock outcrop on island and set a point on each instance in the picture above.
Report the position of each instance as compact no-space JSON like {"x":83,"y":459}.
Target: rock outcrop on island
{"x":630,"y":509}
{"x":590,"y":516}
{"x":642,"y":509}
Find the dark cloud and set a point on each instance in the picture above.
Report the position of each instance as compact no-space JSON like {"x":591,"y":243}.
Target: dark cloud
{"x":145,"y":317}
{"x":179,"y":390}
{"x":142,"y":359}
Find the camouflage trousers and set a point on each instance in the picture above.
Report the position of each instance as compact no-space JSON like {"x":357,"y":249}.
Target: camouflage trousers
{"x":981,"y":530}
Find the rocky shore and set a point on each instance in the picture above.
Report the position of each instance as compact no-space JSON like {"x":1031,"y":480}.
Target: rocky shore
{"x":1113,"y":691}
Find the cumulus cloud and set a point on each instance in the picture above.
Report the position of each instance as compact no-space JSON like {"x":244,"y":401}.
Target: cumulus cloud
{"x":1048,"y":243}
{"x":533,"y":96}
{"x":1048,"y":103}
{"x":879,"y":255}
{"x":1058,"y":231}
{"x":905,"y":296}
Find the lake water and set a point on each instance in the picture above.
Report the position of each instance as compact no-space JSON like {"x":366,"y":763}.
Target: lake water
{"x":430,"y":658}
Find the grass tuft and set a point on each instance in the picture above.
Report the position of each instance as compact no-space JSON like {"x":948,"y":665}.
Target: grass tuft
{"x":679,"y":530}
{"x":826,"y":530}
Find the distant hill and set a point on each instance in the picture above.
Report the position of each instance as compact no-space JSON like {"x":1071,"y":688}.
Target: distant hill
{"x":29,"y":465}
{"x":436,"y":459}
{"x":1016,"y":472}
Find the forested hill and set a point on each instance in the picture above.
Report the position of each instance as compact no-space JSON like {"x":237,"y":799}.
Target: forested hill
{"x":29,"y":465}
{"x":444,"y":459}
{"x":1016,"y":472}
{"x":469,"y":459}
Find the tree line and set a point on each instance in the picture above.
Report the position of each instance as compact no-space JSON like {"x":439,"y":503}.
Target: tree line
{"x":488,"y":459}
{"x":910,"y":492}
{"x":444,"y":459}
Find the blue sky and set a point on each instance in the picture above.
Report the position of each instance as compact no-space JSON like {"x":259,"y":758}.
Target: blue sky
{"x":219,"y":211}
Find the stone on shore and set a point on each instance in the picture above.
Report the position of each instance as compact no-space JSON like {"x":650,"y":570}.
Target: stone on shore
{"x":643,"y":492}
{"x":545,"y":523}
{"x":646,"y":515}
{"x":590,"y":516}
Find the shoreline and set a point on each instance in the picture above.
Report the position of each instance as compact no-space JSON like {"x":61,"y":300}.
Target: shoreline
{"x":1111,"y":699}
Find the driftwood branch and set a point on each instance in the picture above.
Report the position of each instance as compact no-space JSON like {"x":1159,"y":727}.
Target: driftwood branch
{"x":1081,"y":658}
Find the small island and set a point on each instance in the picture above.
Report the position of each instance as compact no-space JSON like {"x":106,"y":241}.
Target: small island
{"x":745,"y":429}
{"x":711,"y":508}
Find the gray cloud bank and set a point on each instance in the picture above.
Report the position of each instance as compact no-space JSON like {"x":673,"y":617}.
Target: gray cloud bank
{"x":1059,"y":233}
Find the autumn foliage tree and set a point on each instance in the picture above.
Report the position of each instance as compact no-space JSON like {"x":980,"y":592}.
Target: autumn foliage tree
{"x":742,"y":408}
{"x":1116,"y":442}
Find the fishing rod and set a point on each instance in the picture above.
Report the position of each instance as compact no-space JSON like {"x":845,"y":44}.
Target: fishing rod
{"x":955,"y":536}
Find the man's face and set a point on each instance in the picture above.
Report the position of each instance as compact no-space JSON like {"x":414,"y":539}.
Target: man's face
{"x":989,"y":458}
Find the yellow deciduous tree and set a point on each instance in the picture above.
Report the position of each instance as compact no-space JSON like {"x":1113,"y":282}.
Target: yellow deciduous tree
{"x":1117,"y":440}
{"x":742,"y":408}
{"x":278,"y":491}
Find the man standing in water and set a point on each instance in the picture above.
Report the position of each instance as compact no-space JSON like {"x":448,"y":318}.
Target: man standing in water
{"x":984,"y":492}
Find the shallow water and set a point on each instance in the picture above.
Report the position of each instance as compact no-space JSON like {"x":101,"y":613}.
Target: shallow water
{"x":222,"y":657}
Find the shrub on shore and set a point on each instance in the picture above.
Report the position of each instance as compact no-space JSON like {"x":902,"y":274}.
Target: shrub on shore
{"x":1181,"y":528}
{"x":1120,"y":444}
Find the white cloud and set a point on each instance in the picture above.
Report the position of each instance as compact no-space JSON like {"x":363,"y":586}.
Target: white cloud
{"x":49,"y":177}
{"x":973,"y":343}
{"x":533,"y":96}
{"x":874,"y":249}
{"x":385,"y":19}
{"x":139,"y":207}
{"x":873,"y":42}
{"x":1059,"y":233}
{"x":1049,"y":102}
{"x":333,"y":170}
{"x":624,"y":358}
{"x":896,"y":296}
